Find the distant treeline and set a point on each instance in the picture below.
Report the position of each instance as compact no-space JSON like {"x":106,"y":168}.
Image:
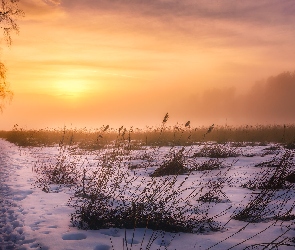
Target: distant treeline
{"x":151,"y":136}
{"x":268,"y":101}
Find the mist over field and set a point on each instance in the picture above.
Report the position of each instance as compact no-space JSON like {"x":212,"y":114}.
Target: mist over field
{"x":267,"y":101}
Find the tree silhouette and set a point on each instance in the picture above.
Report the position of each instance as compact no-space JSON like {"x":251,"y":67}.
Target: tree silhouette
{"x":9,"y":11}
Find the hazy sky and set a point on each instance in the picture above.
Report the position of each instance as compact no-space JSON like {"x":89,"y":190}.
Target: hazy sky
{"x":119,"y":62}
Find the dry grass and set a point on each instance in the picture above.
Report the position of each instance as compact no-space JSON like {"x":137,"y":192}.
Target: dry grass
{"x":153,"y":136}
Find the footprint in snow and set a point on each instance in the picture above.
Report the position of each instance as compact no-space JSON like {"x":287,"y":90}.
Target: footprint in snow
{"x":74,"y":236}
{"x":163,"y":242}
{"x":21,"y":195}
{"x":54,"y":226}
{"x":112,"y":232}
{"x":102,"y":247}
{"x":39,"y":246}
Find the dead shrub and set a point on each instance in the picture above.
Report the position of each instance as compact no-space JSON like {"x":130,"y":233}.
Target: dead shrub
{"x":173,"y":166}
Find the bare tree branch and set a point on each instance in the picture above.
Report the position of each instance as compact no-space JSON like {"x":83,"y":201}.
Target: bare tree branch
{"x":9,"y":12}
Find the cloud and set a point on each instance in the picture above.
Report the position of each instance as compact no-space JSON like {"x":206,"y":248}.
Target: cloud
{"x":213,"y":23}
{"x":137,"y":65}
{"x":264,"y":11}
{"x":52,"y":2}
{"x":40,"y":9}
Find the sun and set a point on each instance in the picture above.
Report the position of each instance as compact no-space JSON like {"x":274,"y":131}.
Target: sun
{"x":70,"y":88}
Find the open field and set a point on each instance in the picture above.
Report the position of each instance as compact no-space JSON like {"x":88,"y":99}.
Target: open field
{"x":128,"y":192}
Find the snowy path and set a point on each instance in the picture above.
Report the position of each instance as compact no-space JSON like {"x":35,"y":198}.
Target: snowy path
{"x":12,"y":232}
{"x":30,"y":219}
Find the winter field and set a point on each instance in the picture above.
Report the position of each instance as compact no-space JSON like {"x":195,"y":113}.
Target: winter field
{"x":199,"y":196}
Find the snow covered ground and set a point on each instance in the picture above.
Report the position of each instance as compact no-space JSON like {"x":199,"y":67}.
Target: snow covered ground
{"x":33,"y":219}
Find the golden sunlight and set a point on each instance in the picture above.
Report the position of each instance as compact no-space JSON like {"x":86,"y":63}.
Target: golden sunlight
{"x":129,"y":63}
{"x":70,"y":88}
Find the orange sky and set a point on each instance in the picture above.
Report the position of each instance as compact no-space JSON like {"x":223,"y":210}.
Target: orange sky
{"x":95,"y":62}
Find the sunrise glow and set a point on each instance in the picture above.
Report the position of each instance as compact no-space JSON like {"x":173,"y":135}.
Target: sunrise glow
{"x":130,"y":63}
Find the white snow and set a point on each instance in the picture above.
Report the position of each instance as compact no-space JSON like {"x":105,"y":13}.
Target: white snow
{"x":33,"y":219}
